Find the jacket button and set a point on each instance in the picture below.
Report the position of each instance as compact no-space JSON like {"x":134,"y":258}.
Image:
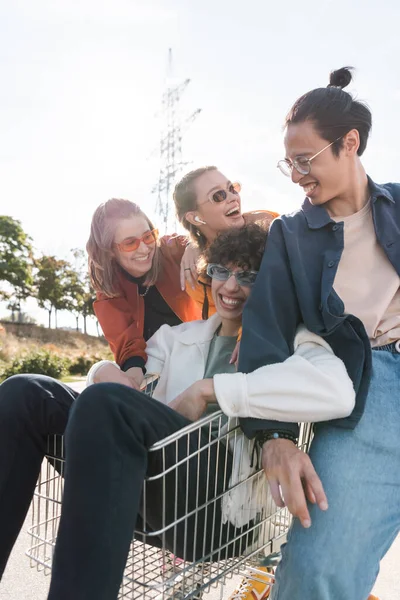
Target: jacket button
{"x":331,"y":263}
{"x":335,"y":227}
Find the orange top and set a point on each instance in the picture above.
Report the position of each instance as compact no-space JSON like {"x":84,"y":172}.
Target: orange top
{"x":122,"y":318}
{"x":202,"y":291}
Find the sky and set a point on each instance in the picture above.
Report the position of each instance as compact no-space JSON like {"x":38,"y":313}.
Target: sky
{"x":81,"y":85}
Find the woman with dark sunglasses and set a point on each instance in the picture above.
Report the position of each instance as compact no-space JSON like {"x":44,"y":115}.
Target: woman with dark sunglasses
{"x":334,"y":265}
{"x":208,"y":203}
{"x":136,"y":277}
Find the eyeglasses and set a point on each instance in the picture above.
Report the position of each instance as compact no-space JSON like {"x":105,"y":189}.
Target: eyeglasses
{"x":221,"y":195}
{"x":302,"y":164}
{"x":245,"y":278}
{"x":131,"y":244}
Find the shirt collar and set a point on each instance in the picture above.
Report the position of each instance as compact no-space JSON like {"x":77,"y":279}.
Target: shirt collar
{"x":199,"y":332}
{"x":317,"y":216}
{"x":378,"y":191}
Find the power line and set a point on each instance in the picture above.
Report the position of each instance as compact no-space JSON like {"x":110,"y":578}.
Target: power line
{"x":170,"y":148}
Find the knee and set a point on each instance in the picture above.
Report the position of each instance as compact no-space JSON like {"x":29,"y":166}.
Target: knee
{"x":16,"y":392}
{"x":98,"y":413}
{"x":304,"y":557}
{"x":103,"y":401}
{"x":94,"y":399}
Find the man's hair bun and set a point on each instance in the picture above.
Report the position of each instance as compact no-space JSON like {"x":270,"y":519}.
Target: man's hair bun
{"x":340,"y":78}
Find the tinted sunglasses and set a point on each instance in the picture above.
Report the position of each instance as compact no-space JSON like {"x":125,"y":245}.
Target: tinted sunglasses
{"x":131,"y":244}
{"x":245,"y":278}
{"x":221,"y":195}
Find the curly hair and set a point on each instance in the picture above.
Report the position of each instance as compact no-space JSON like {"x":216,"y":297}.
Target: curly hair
{"x":242,"y":247}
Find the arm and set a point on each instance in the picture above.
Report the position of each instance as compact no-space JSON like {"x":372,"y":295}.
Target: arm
{"x":270,"y":319}
{"x":108,"y":371}
{"x":310,"y":386}
{"x":192,"y":403}
{"x":189,"y":272}
{"x":186,"y":254}
{"x":122,"y":330}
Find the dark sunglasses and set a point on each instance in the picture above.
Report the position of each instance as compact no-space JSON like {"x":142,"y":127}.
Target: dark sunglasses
{"x":131,"y":244}
{"x":245,"y":278}
{"x":221,"y":195}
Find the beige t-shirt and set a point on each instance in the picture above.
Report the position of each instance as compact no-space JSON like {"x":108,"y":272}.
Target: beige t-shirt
{"x":366,"y":280}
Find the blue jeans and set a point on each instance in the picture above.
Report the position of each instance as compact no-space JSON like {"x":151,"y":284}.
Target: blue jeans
{"x":338,"y":557}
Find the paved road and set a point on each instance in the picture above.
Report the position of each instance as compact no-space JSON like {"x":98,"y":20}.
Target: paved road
{"x":20,"y":582}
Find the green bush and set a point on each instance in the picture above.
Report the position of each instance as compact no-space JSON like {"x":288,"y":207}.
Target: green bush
{"x":41,"y":362}
{"x":82,"y":364}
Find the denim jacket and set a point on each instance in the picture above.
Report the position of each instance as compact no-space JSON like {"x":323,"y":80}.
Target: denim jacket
{"x":295,"y":284}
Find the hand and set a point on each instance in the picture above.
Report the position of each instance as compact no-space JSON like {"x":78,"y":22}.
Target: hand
{"x":112,"y":374}
{"x":189,"y":266}
{"x":192,"y":403}
{"x":235,"y":356}
{"x":290,"y":469}
{"x":136,"y":375}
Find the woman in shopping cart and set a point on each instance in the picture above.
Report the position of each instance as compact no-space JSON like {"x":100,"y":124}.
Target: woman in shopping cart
{"x":334,"y":265}
{"x":112,"y":427}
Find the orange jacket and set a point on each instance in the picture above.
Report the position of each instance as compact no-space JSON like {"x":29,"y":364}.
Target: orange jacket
{"x":202,"y":291}
{"x":122,"y":318}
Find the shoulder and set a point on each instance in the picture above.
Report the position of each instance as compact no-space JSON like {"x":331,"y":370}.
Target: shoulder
{"x":261,"y":217}
{"x":390,"y":190}
{"x":393,"y":189}
{"x":125,"y":288}
{"x":288,"y":224}
{"x":192,"y":331}
{"x":198,"y":331}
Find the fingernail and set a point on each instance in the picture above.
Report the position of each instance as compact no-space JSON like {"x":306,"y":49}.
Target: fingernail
{"x":306,"y":523}
{"x":323,"y":505}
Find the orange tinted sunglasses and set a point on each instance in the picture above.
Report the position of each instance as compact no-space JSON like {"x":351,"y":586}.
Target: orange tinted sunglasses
{"x":131,"y":244}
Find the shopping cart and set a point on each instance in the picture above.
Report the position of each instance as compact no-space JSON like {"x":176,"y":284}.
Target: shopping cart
{"x":152,"y":572}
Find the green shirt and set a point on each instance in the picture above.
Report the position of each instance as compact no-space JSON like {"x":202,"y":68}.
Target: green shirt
{"x":218,"y":358}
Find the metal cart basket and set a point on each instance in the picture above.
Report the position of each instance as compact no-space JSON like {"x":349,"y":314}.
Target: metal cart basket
{"x":152,"y":571}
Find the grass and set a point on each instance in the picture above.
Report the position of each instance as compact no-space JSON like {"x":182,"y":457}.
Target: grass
{"x":20,"y":341}
{"x":72,"y":378}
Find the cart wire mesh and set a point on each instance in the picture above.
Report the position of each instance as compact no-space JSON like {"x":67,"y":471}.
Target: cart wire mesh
{"x":177,"y":560}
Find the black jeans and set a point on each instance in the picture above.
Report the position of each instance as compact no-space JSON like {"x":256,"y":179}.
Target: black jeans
{"x":111,"y":428}
{"x":31,"y":408}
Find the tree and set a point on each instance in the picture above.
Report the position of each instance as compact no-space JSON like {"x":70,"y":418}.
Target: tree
{"x":87,"y":306}
{"x":53,"y":285}
{"x":76,"y":291}
{"x":16,"y":263}
{"x":83,"y":294}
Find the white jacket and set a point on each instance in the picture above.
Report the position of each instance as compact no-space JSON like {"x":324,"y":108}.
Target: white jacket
{"x":310,"y":386}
